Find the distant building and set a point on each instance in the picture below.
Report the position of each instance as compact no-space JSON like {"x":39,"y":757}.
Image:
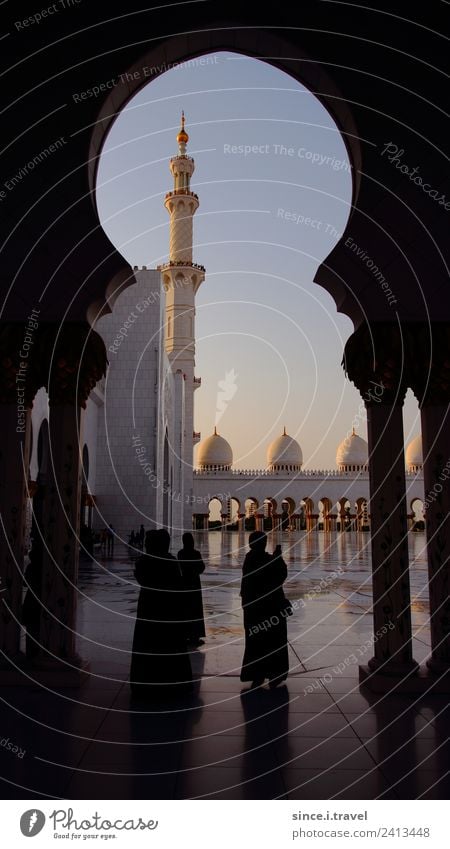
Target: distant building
{"x":334,"y":499}
{"x":137,"y":445}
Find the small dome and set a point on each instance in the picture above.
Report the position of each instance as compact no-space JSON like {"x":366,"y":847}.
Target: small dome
{"x":352,"y":454}
{"x":414,"y":455}
{"x":214,"y":453}
{"x":284,"y":454}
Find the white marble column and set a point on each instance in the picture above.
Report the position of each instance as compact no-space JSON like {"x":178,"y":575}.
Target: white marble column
{"x":19,"y":382}
{"x":78,"y":359}
{"x":389,"y":532}
{"x":375,"y":360}
{"x":429,"y":346}
{"x":436,"y":470}
{"x":14,"y":460}
{"x":61,"y":523}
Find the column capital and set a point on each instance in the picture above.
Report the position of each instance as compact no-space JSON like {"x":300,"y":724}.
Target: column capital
{"x":20,"y":373}
{"x":76,"y":358}
{"x":429,"y":363}
{"x":374,"y":360}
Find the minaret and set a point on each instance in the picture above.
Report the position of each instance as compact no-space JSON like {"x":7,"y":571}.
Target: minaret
{"x":181,"y":278}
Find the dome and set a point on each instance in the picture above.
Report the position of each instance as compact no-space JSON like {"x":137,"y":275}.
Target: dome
{"x":352,"y":454}
{"x":414,"y":455}
{"x":214,"y":453}
{"x":284,"y":454}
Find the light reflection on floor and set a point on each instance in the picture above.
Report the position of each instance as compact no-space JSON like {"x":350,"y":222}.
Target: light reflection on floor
{"x":319,"y":737}
{"x":329,"y":576}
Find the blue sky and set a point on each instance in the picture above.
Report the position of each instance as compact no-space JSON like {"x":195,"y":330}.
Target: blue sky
{"x":274,"y":184}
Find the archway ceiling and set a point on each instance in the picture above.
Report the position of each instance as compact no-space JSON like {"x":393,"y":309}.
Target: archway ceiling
{"x":51,"y":238}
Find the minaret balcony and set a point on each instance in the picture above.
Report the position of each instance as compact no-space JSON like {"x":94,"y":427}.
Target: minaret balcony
{"x":185,"y":192}
{"x":196,"y":436}
{"x":180,"y":156}
{"x":197,"y":382}
{"x":180,"y":263}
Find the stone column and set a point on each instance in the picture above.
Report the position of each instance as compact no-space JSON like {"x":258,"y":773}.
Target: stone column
{"x":77,"y":361}
{"x":359,"y":517}
{"x":19,"y":382}
{"x":374,"y":361}
{"x":430,"y":365}
{"x":259,"y":521}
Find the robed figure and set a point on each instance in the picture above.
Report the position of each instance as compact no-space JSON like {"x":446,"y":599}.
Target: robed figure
{"x":265,"y":610}
{"x":160,"y":660}
{"x":192,"y":567}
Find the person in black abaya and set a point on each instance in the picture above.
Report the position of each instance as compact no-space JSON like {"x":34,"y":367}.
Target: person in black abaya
{"x":160,"y":660}
{"x":265,"y":610}
{"x":192,"y":566}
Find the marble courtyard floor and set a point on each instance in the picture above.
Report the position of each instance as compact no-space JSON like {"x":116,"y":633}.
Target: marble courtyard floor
{"x":320,"y":737}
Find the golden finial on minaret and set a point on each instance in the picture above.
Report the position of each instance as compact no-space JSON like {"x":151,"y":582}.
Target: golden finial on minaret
{"x":182,"y":137}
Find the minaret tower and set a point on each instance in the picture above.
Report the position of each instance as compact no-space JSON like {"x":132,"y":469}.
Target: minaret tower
{"x":181,"y":278}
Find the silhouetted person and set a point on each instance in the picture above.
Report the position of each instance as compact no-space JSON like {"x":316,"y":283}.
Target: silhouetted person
{"x":265,"y":612}
{"x":160,"y":660}
{"x":86,"y":542}
{"x":110,"y":541}
{"x":192,"y":567}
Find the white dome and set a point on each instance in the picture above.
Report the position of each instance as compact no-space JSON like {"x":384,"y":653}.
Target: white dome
{"x":215,"y":453}
{"x":284,"y":454}
{"x":352,"y":454}
{"x":414,"y":454}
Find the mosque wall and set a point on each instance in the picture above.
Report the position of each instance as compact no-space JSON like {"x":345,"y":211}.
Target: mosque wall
{"x":128,"y":465}
{"x":261,"y":485}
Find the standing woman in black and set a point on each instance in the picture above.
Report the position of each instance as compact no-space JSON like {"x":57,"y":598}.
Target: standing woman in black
{"x":160,"y":660}
{"x":192,"y":567}
{"x":265,"y":612}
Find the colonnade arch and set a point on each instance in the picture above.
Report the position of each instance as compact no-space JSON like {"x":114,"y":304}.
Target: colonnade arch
{"x":417,"y":514}
{"x":392,"y":351}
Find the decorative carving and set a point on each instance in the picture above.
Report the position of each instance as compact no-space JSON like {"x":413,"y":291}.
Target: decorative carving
{"x":68,"y":360}
{"x":19,"y":362}
{"x":374,"y":360}
{"x":77,"y":361}
{"x":32,"y":488}
{"x":382,"y":360}
{"x":429,"y":363}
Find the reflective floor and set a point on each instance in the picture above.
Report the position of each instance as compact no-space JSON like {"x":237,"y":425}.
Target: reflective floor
{"x":319,"y":737}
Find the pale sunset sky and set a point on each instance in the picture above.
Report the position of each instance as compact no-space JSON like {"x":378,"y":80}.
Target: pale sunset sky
{"x":274,"y":184}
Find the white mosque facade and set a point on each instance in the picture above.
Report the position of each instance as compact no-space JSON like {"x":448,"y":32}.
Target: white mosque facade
{"x":137,"y":438}
{"x":284,"y":495}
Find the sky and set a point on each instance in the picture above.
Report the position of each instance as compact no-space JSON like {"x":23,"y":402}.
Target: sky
{"x":275,"y":186}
